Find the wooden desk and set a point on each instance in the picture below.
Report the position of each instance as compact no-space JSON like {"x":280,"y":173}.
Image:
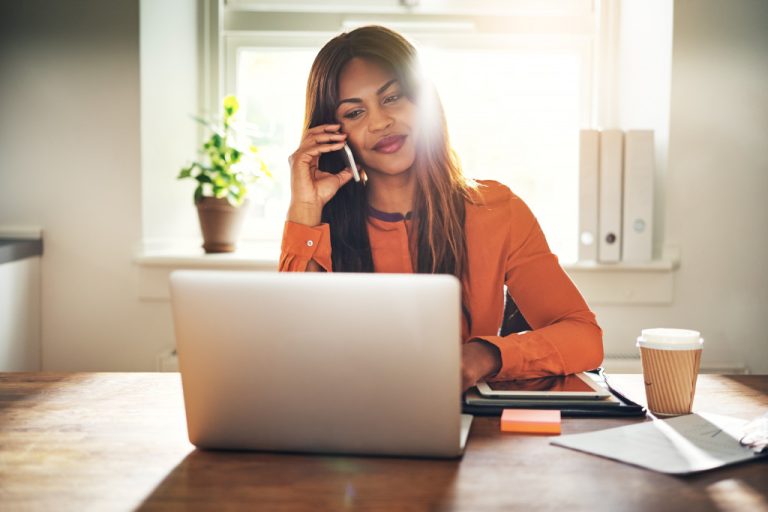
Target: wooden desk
{"x":101,"y":441}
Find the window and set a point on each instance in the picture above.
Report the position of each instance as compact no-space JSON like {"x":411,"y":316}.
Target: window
{"x":271,"y":83}
{"x":507,"y":110}
{"x":516,"y":88}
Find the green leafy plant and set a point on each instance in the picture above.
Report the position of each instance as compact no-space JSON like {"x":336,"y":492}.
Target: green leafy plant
{"x":222,"y":172}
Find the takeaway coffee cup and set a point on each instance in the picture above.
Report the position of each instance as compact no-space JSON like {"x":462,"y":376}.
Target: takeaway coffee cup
{"x":671,"y":359}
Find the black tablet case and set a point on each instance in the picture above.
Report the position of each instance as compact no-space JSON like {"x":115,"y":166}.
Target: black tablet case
{"x":600,"y":409}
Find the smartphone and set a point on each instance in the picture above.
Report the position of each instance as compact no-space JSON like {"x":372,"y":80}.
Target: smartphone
{"x":349,"y":159}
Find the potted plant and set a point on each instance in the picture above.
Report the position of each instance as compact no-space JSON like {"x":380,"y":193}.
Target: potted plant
{"x":228,"y":167}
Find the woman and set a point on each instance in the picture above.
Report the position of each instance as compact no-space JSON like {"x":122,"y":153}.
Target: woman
{"x":414,"y":211}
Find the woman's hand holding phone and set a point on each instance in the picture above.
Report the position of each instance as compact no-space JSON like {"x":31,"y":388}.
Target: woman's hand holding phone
{"x":311,"y":187}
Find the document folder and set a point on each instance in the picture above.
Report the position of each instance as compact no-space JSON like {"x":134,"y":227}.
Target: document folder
{"x":589,"y":159}
{"x":611,"y":167}
{"x":638,"y":196}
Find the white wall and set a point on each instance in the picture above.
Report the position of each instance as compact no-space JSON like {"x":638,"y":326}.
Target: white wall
{"x":169,"y":96}
{"x":716,"y":185}
{"x":71,"y":162}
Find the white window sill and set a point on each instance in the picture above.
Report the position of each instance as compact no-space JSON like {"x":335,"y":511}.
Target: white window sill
{"x":255,"y":256}
{"x":620,"y":283}
{"x":664,"y":265}
{"x":624,"y":283}
{"x":156,"y":262}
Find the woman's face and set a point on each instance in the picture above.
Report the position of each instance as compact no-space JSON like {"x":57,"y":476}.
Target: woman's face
{"x":377,"y":117}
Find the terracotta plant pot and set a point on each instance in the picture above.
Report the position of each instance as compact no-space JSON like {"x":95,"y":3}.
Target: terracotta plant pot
{"x":220,"y":223}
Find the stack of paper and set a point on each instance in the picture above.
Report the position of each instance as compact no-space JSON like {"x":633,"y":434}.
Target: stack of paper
{"x":681,"y":445}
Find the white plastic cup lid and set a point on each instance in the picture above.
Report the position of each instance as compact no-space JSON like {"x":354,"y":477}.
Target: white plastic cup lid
{"x":670,"y":339}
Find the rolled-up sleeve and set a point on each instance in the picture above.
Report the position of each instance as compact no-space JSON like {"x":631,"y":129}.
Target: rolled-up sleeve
{"x":564,"y":337}
{"x":302,"y":243}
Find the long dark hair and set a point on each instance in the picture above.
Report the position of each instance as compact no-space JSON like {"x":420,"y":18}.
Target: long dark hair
{"x":441,"y":187}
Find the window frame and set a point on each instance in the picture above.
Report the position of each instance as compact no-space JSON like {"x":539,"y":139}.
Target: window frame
{"x":595,"y":22}
{"x":230,"y":27}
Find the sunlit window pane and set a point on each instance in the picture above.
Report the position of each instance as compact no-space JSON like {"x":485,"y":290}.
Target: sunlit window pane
{"x":515,"y":118}
{"x":271,"y":84}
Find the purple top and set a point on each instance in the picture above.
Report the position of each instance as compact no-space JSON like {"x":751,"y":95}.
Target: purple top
{"x":388,"y":217}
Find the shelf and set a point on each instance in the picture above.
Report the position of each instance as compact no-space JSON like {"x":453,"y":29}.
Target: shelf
{"x":18,"y":243}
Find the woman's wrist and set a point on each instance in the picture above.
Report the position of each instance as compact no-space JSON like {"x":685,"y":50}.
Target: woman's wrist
{"x":309,"y":215}
{"x":490,"y":357}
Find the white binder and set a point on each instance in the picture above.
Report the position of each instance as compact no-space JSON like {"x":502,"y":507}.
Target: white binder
{"x":609,"y":216}
{"x":638,"y":196}
{"x":589,"y":160}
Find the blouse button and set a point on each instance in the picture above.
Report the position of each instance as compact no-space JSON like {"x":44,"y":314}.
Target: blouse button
{"x":310,"y":243}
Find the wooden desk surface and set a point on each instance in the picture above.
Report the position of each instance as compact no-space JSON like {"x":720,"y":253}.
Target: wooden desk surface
{"x":117,"y":441}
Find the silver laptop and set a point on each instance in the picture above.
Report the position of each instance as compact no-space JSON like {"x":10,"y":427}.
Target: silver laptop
{"x":344,"y":363}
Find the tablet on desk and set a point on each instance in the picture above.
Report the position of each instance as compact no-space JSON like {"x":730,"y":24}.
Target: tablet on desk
{"x":577,"y":385}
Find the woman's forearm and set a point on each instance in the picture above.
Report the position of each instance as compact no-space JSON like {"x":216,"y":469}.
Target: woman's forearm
{"x":309,"y":216}
{"x":305,"y":214}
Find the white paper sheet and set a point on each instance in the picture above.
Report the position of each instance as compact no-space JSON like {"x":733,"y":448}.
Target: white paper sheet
{"x":685,"y":444}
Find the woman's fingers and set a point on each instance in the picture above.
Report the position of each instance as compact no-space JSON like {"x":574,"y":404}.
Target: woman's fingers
{"x":324,"y":128}
{"x":308,"y":153}
{"x":308,"y":183}
{"x":342,"y":176}
{"x":328,"y":184}
{"x":323,"y":138}
{"x":315,"y":144}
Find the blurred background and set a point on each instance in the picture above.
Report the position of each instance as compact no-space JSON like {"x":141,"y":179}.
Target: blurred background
{"x":95,"y":106}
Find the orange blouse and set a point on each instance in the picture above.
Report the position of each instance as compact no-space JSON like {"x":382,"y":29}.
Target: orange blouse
{"x":505,"y":245}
